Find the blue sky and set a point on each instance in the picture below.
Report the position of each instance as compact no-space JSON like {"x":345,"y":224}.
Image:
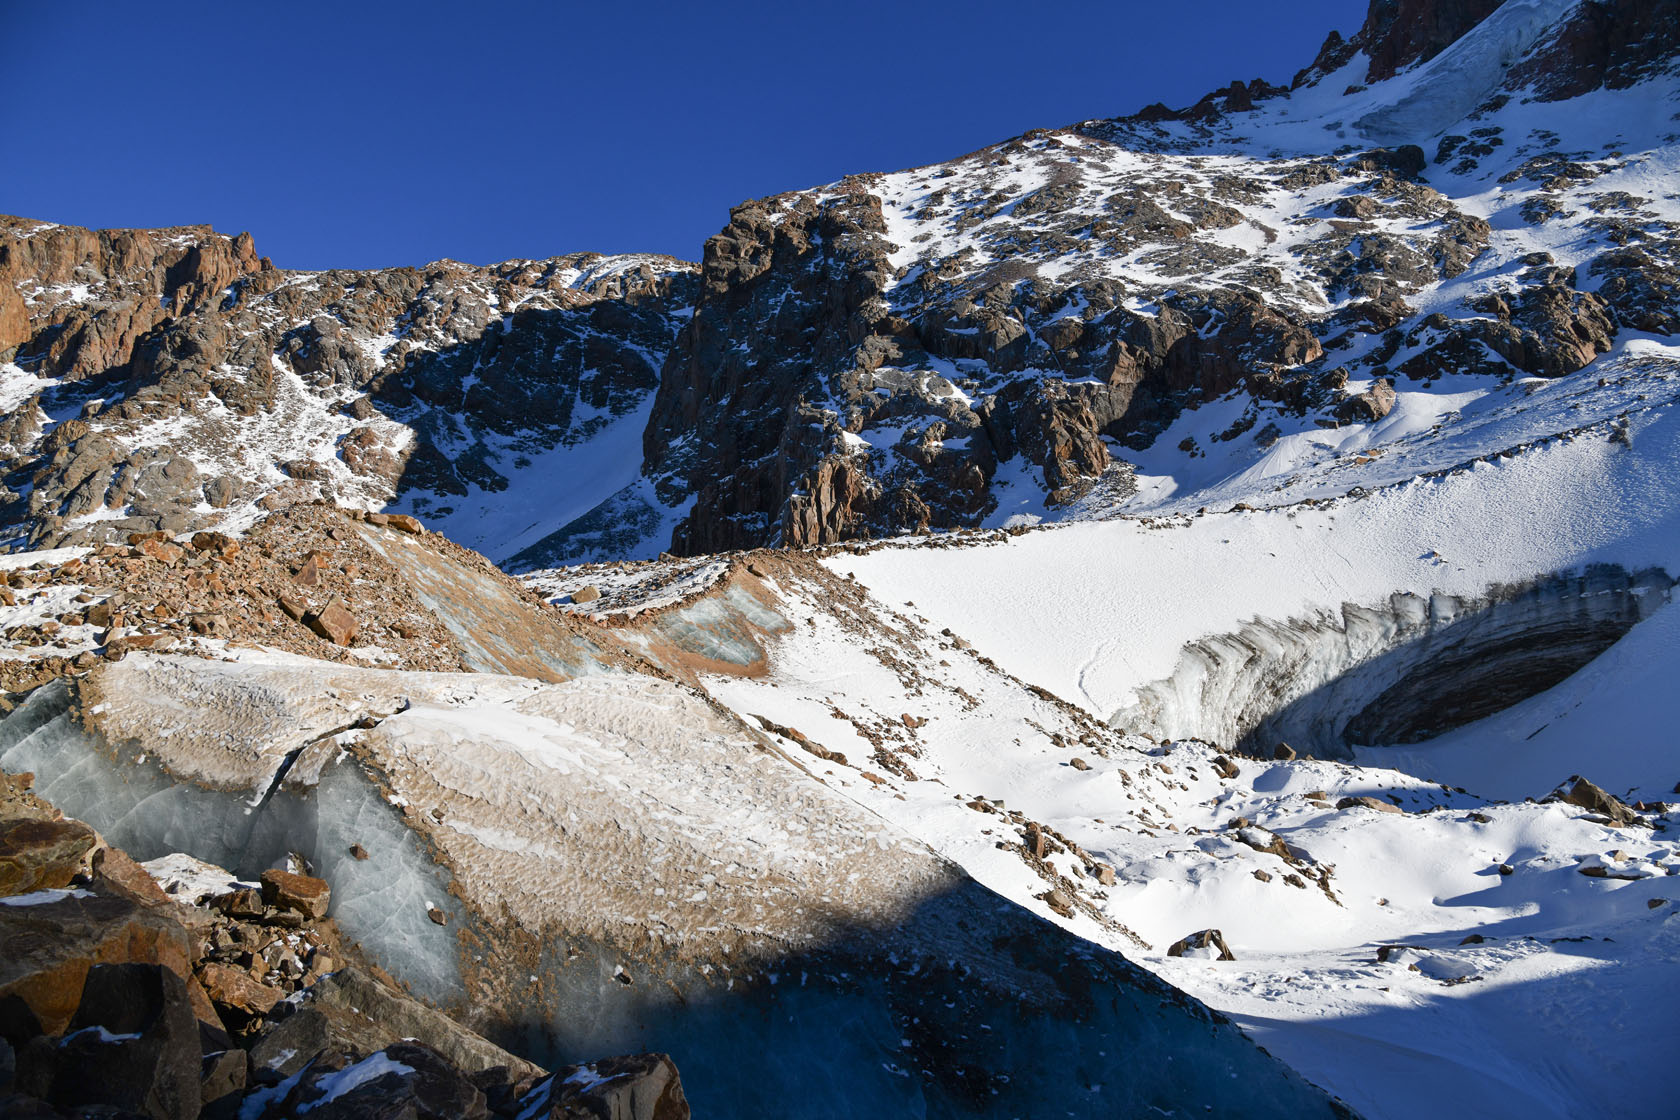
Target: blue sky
{"x":361,"y":135}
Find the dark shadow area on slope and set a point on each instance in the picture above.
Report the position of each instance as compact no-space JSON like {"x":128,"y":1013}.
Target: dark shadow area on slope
{"x":489,"y":407}
{"x":1451,"y":671}
{"x":967,"y":1006}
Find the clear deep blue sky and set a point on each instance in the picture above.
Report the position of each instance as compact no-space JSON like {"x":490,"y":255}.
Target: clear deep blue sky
{"x":359,"y":134}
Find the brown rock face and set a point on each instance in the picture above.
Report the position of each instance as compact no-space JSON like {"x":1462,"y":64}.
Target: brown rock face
{"x":14,"y":320}
{"x":1608,"y":44}
{"x":42,"y":854}
{"x":181,"y":316}
{"x":304,"y":894}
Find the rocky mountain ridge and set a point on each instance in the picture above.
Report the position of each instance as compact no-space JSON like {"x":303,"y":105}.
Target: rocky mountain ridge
{"x":944,"y":347}
{"x":172,"y":380}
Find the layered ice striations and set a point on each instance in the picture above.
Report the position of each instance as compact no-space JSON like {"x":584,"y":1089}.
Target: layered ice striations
{"x":140,"y":807}
{"x":1400,"y":672}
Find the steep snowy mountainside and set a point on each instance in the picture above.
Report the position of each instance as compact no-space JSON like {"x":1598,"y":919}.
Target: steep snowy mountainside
{"x":1006,"y":334}
{"x":172,"y":380}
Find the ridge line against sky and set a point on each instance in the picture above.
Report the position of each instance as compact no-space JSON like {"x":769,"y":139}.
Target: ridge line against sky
{"x":377,"y":134}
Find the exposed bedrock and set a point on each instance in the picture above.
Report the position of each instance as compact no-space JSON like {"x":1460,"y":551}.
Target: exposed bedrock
{"x":610,"y":862}
{"x":1397,"y":672}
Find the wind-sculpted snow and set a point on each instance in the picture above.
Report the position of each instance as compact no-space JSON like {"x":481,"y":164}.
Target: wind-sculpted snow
{"x":613,"y":862}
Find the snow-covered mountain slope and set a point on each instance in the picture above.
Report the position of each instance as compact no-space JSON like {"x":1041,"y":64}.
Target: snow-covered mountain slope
{"x":1014,"y":333}
{"x":172,"y":380}
{"x":1522,"y":998}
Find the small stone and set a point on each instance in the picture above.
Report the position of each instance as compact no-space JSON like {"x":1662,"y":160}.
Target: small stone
{"x":1283,"y":752}
{"x":294,"y":606}
{"x":403,"y":523}
{"x":1507,"y":869}
{"x":1225,"y":767}
{"x":1262,"y":875}
{"x":358,"y":851}
{"x":1080,"y":764}
{"x":1105,"y":874}
{"x":438,"y":917}
{"x":1655,"y":903}
{"x":1473,"y":939}
{"x":1058,"y":902}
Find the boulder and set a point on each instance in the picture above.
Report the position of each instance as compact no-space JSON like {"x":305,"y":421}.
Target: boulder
{"x":1373,"y":404}
{"x":48,"y":948}
{"x":588,"y":593}
{"x":351,"y":993}
{"x":1208,"y":943}
{"x":407,"y":1080}
{"x":1595,"y":800}
{"x":133,"y":1045}
{"x":42,"y":854}
{"x":334,"y":623}
{"x":304,"y":894}
{"x":233,"y":990}
{"x":1369,"y":803}
{"x":634,"y":1087}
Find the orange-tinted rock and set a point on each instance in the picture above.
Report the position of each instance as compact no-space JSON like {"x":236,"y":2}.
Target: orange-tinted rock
{"x":47,"y":949}
{"x":305,"y":894}
{"x":334,"y":623}
{"x":42,"y":854}
{"x":233,"y":988}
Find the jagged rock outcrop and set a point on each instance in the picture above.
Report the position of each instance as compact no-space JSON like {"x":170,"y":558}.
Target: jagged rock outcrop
{"x":429,"y":386}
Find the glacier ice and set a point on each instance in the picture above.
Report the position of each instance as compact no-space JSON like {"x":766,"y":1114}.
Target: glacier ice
{"x":624,"y":867}
{"x":1398,"y":672}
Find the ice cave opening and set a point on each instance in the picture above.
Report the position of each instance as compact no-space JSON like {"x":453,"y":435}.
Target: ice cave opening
{"x":1399,"y":672}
